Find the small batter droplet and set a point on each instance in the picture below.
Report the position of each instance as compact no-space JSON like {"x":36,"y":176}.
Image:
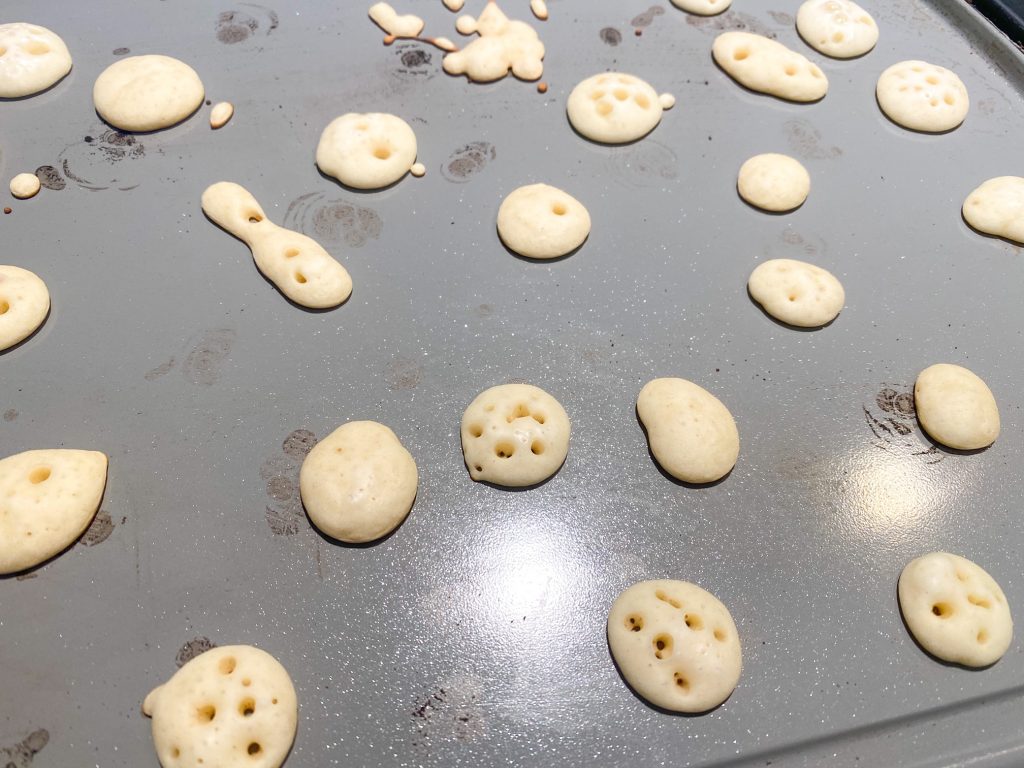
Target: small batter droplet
{"x":418,"y":169}
{"x":221,"y":113}
{"x":667,"y":100}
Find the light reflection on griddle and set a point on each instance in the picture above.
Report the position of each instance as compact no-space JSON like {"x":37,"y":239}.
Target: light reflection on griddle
{"x":887,"y":496}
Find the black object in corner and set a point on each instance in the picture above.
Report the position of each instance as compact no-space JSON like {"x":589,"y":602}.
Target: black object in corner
{"x":1008,"y":15}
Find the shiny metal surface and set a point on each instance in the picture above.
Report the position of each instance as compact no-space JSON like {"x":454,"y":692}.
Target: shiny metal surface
{"x":475,"y":634}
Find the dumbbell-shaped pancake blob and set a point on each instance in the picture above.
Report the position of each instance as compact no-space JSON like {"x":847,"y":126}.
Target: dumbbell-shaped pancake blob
{"x":298,"y":265}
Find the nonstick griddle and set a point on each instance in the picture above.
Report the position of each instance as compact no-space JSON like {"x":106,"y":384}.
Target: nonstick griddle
{"x":474,"y":635}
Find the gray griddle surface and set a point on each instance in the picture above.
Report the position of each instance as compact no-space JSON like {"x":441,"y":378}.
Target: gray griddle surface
{"x":475,"y":634}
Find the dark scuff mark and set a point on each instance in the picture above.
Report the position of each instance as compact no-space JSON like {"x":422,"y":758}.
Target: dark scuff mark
{"x":468,"y":161}
{"x":353,"y":224}
{"x":235,"y":27}
{"x":272,"y":16}
{"x":21,"y":754}
{"x":98,"y":154}
{"x":415,"y":60}
{"x":891,"y":401}
{"x":193,"y":648}
{"x":117,"y":145}
{"x":646,"y":18}
{"x":611,"y":36}
{"x":730,"y":21}
{"x":281,"y":488}
{"x":423,"y":710}
{"x":99,"y":529}
{"x":285,"y":515}
{"x":10,"y":414}
{"x":50,"y":177}
{"x":893,"y":423}
{"x":277,"y":465}
{"x":121,"y":51}
{"x":285,"y":520}
{"x":403,"y":374}
{"x":161,"y":370}
{"x":447,"y":715}
{"x":794,"y":245}
{"x":203,"y":364}
{"x":299,"y":443}
{"x":333,"y":221}
{"x":806,"y":141}
{"x":644,"y":164}
{"x":85,"y":183}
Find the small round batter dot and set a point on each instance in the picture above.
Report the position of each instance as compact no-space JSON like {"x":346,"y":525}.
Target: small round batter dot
{"x":25,"y":185}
